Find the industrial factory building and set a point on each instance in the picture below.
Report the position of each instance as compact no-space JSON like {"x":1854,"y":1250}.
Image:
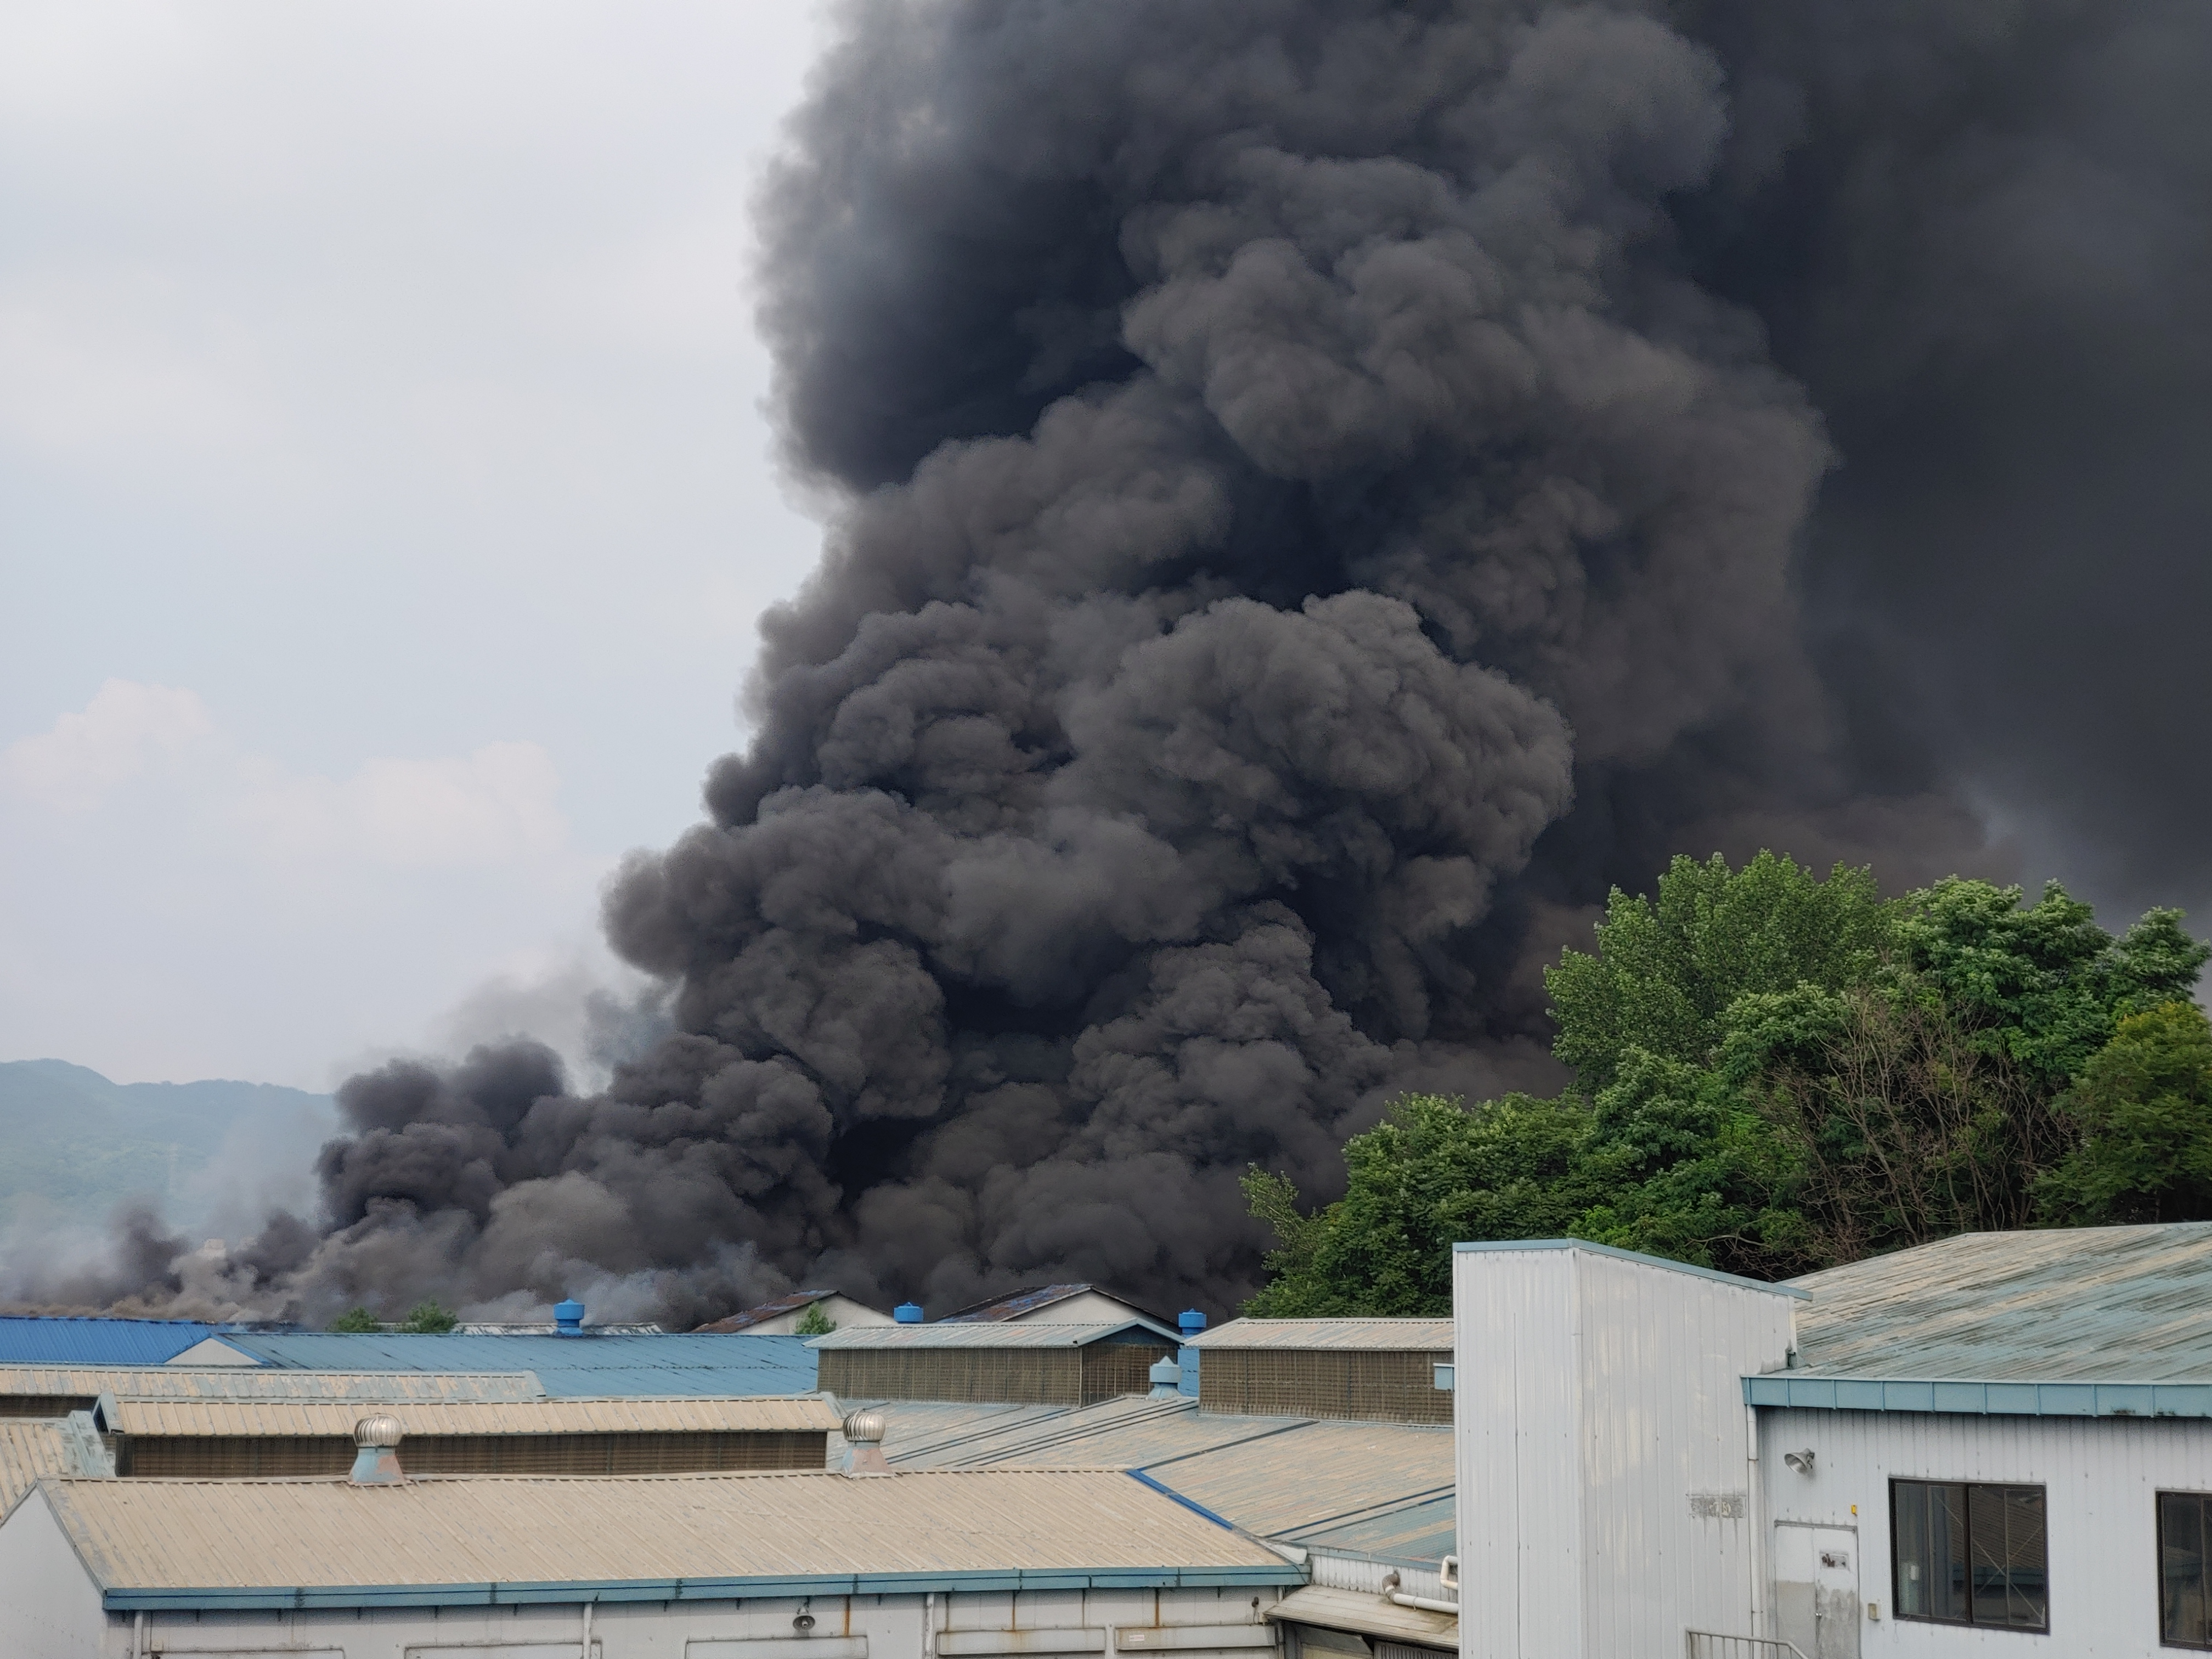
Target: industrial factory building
{"x":1996,"y":1443}
{"x":724,"y":1566}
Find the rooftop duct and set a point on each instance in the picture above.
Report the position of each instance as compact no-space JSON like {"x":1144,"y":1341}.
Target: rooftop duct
{"x":863,"y":1441}
{"x":569,"y":1318}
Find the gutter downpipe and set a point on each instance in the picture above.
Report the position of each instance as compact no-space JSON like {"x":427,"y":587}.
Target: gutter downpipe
{"x":929,"y":1626}
{"x":1447,"y":1574}
{"x":587,"y":1630}
{"x":137,"y":1636}
{"x":1754,"y":1505}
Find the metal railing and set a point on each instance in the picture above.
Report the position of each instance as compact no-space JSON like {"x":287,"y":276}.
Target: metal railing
{"x":1711,"y":1644}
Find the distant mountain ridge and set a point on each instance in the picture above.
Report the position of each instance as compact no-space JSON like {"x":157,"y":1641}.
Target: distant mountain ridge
{"x":76,"y":1146}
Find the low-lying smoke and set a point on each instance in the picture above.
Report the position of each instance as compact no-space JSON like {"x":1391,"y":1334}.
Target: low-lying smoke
{"x":1328,"y":489}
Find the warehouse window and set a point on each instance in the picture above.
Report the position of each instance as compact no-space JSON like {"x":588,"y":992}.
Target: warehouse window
{"x":2185,"y":1531}
{"x":1967,"y":1554}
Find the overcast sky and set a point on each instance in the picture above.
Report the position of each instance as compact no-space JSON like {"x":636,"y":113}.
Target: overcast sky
{"x":384,"y":505}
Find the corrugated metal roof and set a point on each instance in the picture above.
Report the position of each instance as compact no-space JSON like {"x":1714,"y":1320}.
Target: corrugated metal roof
{"x":1024,"y":1333}
{"x":1379,"y":1335}
{"x":2119,"y":1304}
{"x":1015,"y":1304}
{"x":246,"y":1418}
{"x":674,"y":1365}
{"x":1371,"y":1615}
{"x":1290,"y":1478}
{"x":29,"y":1448}
{"x":40,"y":1342}
{"x":179,"y":1535}
{"x":766,"y":1310}
{"x":242,"y":1383}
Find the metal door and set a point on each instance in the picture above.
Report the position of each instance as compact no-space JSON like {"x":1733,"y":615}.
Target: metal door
{"x":1816,"y":1589}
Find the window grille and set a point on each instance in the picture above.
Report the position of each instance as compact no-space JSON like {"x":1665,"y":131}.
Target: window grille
{"x":1970,"y":1553}
{"x":2185,"y":1539}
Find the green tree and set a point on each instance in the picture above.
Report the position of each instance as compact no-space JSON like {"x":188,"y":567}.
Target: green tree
{"x":1433,"y":1172}
{"x":428,"y":1319}
{"x":356,"y":1320}
{"x":815,"y":1322}
{"x":1665,"y":971}
{"x":2143,"y":1108}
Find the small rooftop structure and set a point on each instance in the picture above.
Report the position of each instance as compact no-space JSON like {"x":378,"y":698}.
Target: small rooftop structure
{"x":784,"y":1314}
{"x":1056,"y":1304}
{"x":1062,"y":1364}
{"x":72,"y":1342}
{"x":1375,"y":1369}
{"x":170,"y":1546}
{"x":588,"y":1365}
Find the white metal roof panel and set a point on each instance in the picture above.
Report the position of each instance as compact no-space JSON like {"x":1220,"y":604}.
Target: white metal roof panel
{"x":30,"y":1447}
{"x":1370,"y":1615}
{"x":1373,"y":1335}
{"x":290,"y":1536}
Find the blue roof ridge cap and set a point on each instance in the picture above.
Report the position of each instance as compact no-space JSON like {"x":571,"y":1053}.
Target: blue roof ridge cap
{"x":1638,"y":1256}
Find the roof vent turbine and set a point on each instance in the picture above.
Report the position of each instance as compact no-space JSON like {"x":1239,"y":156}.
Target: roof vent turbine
{"x":377,"y":1462}
{"x":864,"y":1443}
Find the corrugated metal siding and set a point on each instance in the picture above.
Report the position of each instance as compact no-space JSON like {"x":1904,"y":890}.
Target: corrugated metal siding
{"x":266,"y":1456}
{"x":44,"y":1341}
{"x":1114,"y":1369}
{"x":1427,"y":1335}
{"x":1598,"y":1396}
{"x":2100,"y":1474}
{"x":232,"y":1418}
{"x":1517,"y":1397}
{"x":1663,"y":1419}
{"x":1016,"y":1333}
{"x":44,"y":1405}
{"x":227,"y":1382}
{"x":147,"y":1534}
{"x":568,"y":1367}
{"x":1039,"y":1376}
{"x":2126,"y":1304}
{"x":1377,"y":1385}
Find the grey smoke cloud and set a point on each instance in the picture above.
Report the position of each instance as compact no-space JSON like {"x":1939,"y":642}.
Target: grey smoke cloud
{"x":1329,"y":488}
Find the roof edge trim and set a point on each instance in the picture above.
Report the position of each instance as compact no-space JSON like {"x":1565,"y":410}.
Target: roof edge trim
{"x":271,"y":1597}
{"x":1638,"y":1257}
{"x":1976,"y":1397}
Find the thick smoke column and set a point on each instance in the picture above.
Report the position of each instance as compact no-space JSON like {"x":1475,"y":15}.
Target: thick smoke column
{"x":1322,"y":502}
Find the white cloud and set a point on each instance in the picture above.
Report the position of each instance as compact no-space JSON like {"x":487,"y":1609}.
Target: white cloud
{"x":498,"y":804}
{"x":125,"y":731}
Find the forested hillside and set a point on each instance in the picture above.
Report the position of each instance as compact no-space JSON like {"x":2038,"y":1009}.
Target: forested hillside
{"x":1774,"y":1073}
{"x":73,"y":1145}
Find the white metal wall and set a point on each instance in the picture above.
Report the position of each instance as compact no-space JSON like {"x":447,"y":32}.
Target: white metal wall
{"x":1604,"y":1453}
{"x":2101,"y":1476}
{"x":49,"y":1609}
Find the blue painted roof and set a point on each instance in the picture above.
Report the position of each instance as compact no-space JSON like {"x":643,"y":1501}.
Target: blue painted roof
{"x":570,"y":1367}
{"x":30,"y":1341}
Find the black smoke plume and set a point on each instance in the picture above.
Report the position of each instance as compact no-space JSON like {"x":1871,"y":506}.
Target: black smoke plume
{"x":1328,"y":488}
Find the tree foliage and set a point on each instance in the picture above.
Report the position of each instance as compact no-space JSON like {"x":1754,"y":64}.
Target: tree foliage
{"x":355,"y":1322}
{"x":1775,"y":1072}
{"x":428,"y":1319}
{"x":814,"y":1321}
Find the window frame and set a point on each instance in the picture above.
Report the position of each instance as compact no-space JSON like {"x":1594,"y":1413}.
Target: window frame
{"x":1968,"y":1489}
{"x":2204,"y":1559}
